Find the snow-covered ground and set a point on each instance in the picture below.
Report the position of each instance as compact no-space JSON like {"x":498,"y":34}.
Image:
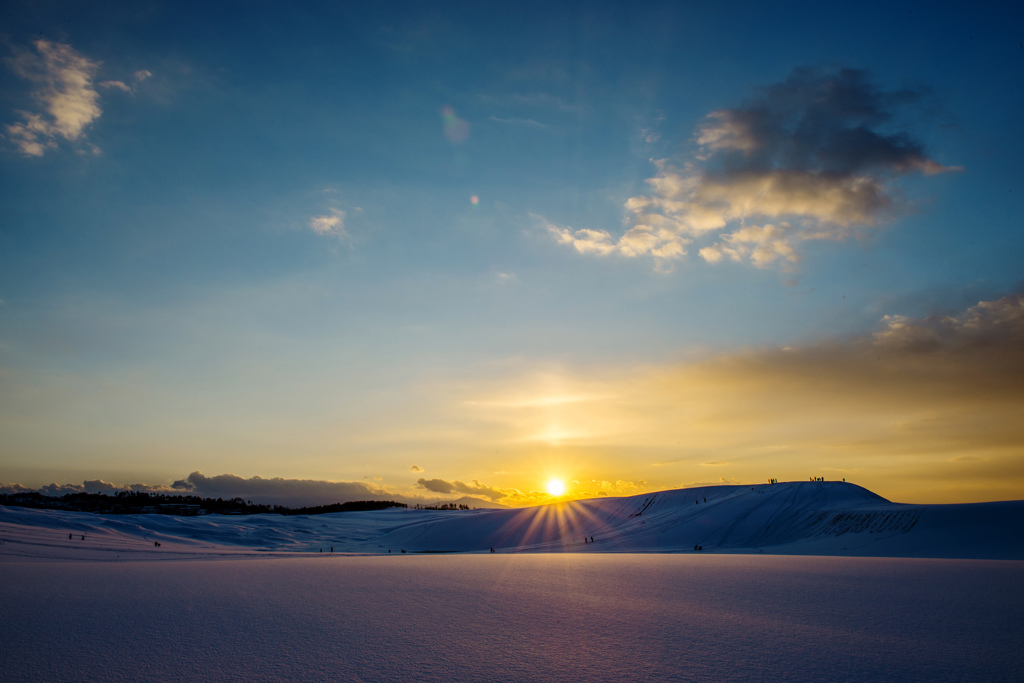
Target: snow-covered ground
{"x":802,"y":518}
{"x":534,"y":617}
{"x":230,"y":598}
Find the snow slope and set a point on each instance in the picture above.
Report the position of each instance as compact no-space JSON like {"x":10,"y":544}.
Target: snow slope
{"x":803,"y":518}
{"x":810,"y":518}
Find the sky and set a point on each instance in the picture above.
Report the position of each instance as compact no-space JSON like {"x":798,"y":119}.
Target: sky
{"x":421,"y":251}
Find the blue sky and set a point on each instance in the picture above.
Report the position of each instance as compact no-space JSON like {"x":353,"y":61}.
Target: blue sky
{"x":409,"y":246}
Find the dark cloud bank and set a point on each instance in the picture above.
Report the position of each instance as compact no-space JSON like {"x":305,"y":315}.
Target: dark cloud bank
{"x":474,"y":489}
{"x":275,"y":491}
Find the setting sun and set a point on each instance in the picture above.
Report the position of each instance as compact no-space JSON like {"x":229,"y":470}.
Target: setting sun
{"x":556,"y":487}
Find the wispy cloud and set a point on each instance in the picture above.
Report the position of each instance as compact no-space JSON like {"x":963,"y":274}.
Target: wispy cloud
{"x":138,"y":77}
{"x":117,"y":85}
{"x":814,"y":157}
{"x":516,"y":121}
{"x":62,"y":82}
{"x":329,"y":225}
{"x":663,"y":243}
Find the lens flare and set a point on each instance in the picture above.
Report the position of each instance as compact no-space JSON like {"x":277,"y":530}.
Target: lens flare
{"x":474,"y":200}
{"x":456,"y":130}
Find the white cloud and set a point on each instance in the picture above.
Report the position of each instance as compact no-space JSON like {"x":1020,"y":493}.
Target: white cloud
{"x":761,"y":245}
{"x":663,"y":244}
{"x":63,"y":87}
{"x":584,"y":240}
{"x":331,"y":224}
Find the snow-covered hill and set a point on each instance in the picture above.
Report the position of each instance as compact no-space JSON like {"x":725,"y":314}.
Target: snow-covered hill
{"x":814,"y":518}
{"x":808,"y":518}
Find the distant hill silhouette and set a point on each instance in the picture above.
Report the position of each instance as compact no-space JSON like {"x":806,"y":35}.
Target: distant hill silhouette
{"x":141,"y":503}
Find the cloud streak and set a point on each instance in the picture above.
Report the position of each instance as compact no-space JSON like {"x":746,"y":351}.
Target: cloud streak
{"x":138,"y":76}
{"x":815,"y":157}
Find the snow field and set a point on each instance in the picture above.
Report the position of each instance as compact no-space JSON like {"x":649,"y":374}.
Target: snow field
{"x":532,"y":617}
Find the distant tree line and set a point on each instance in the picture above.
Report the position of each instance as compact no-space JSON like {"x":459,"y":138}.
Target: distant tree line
{"x":444,"y":506}
{"x":140,"y":502}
